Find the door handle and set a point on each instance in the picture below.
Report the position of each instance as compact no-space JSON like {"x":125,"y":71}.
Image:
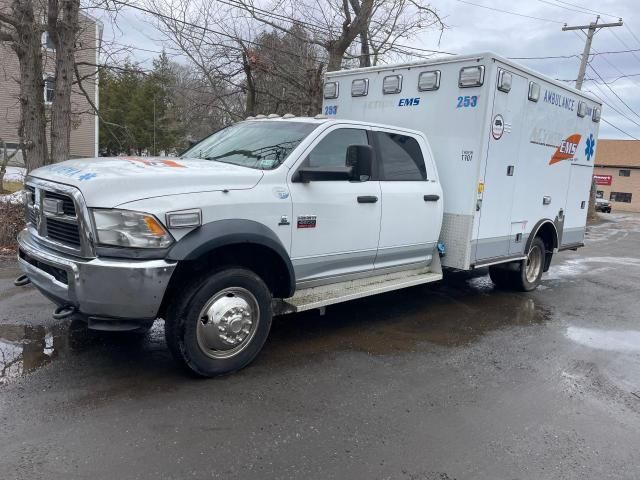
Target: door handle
{"x":431,"y":198}
{"x":367,"y":199}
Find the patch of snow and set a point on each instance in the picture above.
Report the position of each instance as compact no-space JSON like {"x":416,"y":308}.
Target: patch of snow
{"x":15,"y":174}
{"x":14,"y":198}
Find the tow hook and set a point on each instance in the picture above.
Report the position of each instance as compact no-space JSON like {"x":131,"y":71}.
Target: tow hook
{"x":21,"y":281}
{"x":63,"y":312}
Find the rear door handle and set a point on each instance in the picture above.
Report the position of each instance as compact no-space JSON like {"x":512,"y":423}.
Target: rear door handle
{"x":431,"y":198}
{"x":367,"y":199}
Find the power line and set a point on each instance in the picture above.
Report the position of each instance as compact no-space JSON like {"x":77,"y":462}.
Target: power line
{"x":314,"y":27}
{"x":632,"y":34}
{"x":563,"y":7}
{"x":509,"y":12}
{"x":624,"y":44}
{"x":613,"y":91}
{"x":585,"y":10}
{"x":623,"y":115}
{"x":594,"y":54}
{"x":619,"y":129}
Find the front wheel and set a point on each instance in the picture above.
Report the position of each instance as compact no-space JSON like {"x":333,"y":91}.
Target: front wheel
{"x":529,"y":272}
{"x":220,"y":323}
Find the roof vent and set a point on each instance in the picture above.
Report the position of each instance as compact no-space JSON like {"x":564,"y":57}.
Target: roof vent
{"x":320,"y":117}
{"x":273,"y":115}
{"x":250,"y":118}
{"x":288,"y":115}
{"x":260,"y":117}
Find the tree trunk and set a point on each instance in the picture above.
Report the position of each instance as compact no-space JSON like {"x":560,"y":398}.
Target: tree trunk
{"x":28,"y":49}
{"x":365,"y":55}
{"x":314,"y":88}
{"x":63,"y":30}
{"x":250,"y":106}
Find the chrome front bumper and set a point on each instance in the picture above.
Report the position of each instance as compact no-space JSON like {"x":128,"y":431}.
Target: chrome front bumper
{"x":97,"y":287}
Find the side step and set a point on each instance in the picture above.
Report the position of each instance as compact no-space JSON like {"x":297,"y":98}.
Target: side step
{"x":321,"y":296}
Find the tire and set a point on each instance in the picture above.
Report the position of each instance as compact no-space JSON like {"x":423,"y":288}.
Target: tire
{"x":529,"y":273}
{"x":501,"y":277}
{"x":220,"y":322}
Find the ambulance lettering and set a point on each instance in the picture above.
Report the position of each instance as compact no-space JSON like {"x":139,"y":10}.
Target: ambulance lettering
{"x":567,"y":149}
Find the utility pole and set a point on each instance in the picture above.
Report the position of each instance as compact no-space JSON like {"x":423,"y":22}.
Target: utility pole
{"x":592,"y":28}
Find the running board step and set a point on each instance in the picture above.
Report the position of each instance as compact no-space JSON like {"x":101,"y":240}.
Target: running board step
{"x":321,"y":296}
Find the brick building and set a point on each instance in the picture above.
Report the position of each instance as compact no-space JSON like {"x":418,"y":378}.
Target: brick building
{"x":617,"y":173}
{"x":84,"y":122}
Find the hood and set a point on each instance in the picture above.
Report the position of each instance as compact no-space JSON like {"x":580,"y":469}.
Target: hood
{"x":112,"y":181}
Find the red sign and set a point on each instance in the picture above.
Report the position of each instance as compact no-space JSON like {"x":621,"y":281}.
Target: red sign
{"x":602,"y":179}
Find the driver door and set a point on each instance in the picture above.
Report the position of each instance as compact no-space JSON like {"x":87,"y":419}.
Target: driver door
{"x":336,"y":223}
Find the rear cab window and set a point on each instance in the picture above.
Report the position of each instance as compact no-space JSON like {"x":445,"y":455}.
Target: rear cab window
{"x":401,"y":157}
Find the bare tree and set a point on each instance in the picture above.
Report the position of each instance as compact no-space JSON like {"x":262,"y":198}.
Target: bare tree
{"x":63,"y":28}
{"x":21,"y":29}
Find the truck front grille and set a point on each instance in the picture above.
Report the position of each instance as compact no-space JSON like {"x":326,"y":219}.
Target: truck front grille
{"x":67,"y":202}
{"x":63,"y":226}
{"x":63,"y":232}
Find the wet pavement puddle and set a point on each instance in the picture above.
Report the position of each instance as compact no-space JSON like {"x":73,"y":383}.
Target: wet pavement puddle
{"x":612,"y":340}
{"x":25,"y":348}
{"x":454,"y":313}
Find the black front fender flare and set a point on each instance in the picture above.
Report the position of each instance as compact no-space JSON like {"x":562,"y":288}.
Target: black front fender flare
{"x":222,"y":233}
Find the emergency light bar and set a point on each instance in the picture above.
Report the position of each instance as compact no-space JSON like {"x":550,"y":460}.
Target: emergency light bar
{"x":471,"y":76}
{"x":596,"y":114}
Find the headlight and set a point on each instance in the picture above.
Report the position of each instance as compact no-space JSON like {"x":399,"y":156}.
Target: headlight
{"x":123,"y":228}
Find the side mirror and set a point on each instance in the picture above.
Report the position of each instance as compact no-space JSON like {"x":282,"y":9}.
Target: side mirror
{"x":360,"y":159}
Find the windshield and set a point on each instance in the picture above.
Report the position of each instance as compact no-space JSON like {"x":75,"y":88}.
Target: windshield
{"x":261,"y":145}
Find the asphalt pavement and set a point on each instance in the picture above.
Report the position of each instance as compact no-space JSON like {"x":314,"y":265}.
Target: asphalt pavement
{"x":455,"y":380}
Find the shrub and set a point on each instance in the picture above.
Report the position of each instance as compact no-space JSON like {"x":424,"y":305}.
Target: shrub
{"x":11,"y":222}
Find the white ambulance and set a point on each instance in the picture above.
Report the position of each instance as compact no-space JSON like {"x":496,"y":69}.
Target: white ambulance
{"x":475,"y":162}
{"x":514,"y":149}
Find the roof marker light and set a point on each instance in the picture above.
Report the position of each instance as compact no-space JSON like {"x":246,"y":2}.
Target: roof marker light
{"x":392,"y":84}
{"x":360,"y":87}
{"x":429,"y":81}
{"x":471,"y":76}
{"x":331,"y":90}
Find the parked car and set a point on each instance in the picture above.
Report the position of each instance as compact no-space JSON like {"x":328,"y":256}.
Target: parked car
{"x":603,"y":205}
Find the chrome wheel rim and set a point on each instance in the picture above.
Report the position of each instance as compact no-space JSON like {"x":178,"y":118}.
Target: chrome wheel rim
{"x":534,"y":264}
{"x":227,"y":323}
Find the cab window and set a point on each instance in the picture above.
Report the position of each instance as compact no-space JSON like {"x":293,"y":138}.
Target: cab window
{"x":401,"y":157}
{"x":332,"y":149}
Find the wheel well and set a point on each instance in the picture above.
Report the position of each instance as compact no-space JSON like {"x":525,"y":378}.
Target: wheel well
{"x":261,"y":260}
{"x":549,"y":236}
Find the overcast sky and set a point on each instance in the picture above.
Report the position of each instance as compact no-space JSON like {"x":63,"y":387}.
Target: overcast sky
{"x":472,"y":28}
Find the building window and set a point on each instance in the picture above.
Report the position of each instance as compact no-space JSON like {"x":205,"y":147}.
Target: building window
{"x":49,"y":88}
{"x":47,"y":42}
{"x":624,"y":173}
{"x":620,"y":197}
{"x":599,"y":193}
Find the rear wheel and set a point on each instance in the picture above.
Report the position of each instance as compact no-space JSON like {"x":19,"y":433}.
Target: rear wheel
{"x":220,"y":323}
{"x":529,"y":273}
{"x":500,"y":276}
